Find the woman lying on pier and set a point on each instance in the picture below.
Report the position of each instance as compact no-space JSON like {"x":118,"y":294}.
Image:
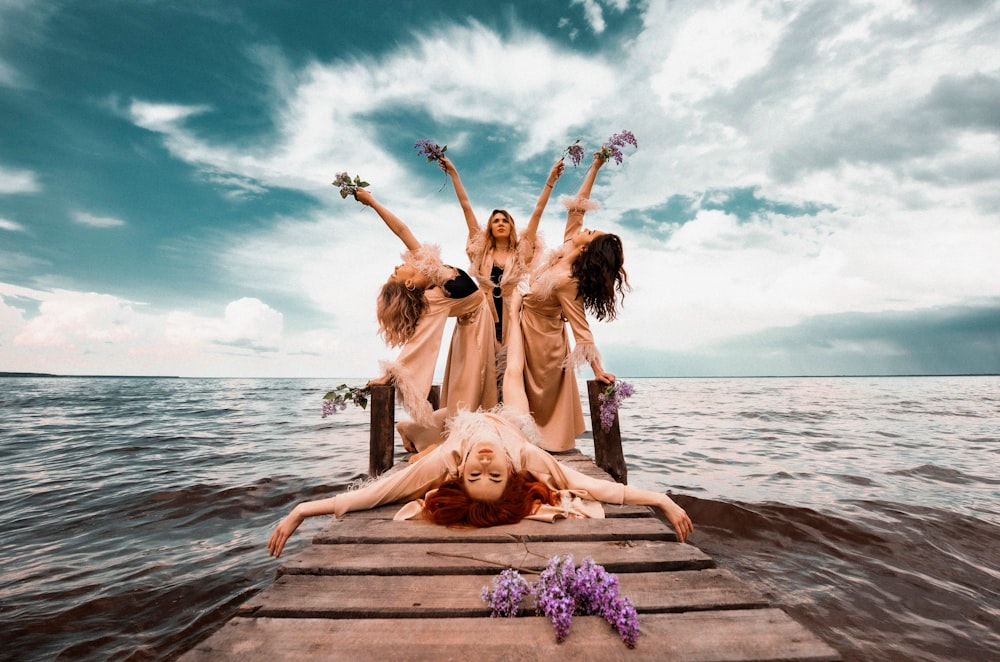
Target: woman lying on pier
{"x":487,"y":472}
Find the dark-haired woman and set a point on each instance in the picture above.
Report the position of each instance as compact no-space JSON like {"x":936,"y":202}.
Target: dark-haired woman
{"x":486,"y":473}
{"x":585,"y":274}
{"x":413,"y":308}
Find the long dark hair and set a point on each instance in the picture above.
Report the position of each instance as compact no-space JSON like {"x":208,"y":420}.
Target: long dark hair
{"x":450,"y":505}
{"x":600,"y":276}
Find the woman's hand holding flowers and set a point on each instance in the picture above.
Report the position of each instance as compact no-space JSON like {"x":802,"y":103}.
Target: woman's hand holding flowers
{"x":556,"y":172}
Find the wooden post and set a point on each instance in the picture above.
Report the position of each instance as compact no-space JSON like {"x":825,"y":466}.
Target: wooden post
{"x":382,"y":436}
{"x":607,"y":443}
{"x":382,"y":439}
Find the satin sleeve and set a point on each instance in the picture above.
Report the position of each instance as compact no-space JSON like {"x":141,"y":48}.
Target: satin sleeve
{"x":548,"y":470}
{"x":411,"y":482}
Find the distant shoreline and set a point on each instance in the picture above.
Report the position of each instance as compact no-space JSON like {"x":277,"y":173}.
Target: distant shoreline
{"x":46,"y":374}
{"x":845,"y":376}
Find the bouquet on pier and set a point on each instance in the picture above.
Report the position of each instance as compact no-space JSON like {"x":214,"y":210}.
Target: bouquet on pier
{"x":337,"y":399}
{"x":563,"y":590}
{"x":610,"y":399}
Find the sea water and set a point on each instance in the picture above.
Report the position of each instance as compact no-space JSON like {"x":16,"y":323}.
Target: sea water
{"x":134,"y":512}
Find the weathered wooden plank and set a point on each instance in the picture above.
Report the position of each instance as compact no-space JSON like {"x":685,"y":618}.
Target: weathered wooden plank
{"x":484,"y":558}
{"x":372,"y":531}
{"x":718,"y":636}
{"x":368,"y":596}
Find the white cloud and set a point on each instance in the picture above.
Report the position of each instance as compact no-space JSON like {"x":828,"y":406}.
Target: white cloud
{"x":11,"y":321}
{"x":9,"y":76}
{"x":322,"y":116}
{"x":11,"y":226}
{"x":713,"y":50}
{"x":247,"y":322}
{"x":162,"y":117}
{"x":593,"y":13}
{"x":845,"y":106}
{"x":93,"y":333}
{"x":74,"y":318}
{"x":15,"y":181}
{"x":85,"y":218}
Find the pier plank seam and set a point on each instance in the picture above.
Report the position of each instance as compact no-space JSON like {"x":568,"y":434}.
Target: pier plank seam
{"x":370,"y":588}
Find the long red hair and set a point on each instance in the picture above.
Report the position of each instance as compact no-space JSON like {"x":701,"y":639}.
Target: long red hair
{"x":450,"y":505}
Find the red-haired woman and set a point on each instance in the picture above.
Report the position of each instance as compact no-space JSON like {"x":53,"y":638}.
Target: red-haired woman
{"x":487,"y":472}
{"x":585,"y":274}
{"x":413,"y":308}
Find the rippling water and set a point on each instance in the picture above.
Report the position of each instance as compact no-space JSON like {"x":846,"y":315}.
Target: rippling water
{"x":135,"y":512}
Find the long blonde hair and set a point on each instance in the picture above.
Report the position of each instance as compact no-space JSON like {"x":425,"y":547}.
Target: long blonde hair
{"x":398,"y":311}
{"x":491,"y":241}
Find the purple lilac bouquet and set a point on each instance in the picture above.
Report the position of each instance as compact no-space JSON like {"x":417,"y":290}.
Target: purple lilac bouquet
{"x":337,"y":399}
{"x":563,"y":590}
{"x":432,"y":151}
{"x":347,"y":185}
{"x":574,"y":152}
{"x":610,"y":399}
{"x":509,"y":587}
{"x":613,"y":147}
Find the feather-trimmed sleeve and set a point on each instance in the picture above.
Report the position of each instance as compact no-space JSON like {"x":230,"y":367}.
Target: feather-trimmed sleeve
{"x":576,"y":207}
{"x":584,"y":349}
{"x":427,"y":260}
{"x":413,"y":370}
{"x":475,"y":249}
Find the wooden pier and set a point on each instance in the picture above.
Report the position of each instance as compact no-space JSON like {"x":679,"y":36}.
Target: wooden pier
{"x":369,"y":588}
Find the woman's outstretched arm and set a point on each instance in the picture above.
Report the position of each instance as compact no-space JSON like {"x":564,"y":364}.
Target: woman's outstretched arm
{"x":463,"y":197}
{"x":543,"y":199}
{"x":676,"y":515}
{"x":411,"y":482}
{"x":398,"y":227}
{"x":574,"y":219}
{"x":545,"y":468}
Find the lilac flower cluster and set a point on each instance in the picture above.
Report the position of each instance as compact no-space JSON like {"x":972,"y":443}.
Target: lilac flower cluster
{"x":574,"y":152}
{"x":509,"y":587}
{"x":337,"y":399}
{"x":613,"y":147}
{"x":610,"y":398}
{"x":347,"y":185}
{"x":563,"y":590}
{"x":432,"y":151}
{"x":553,"y":593}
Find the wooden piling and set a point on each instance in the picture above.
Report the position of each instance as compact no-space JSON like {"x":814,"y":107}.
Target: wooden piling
{"x":382,"y":435}
{"x":607,"y":443}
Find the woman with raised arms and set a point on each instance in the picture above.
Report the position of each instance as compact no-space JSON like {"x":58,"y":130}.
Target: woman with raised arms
{"x":414,"y":305}
{"x":585,"y":274}
{"x":498,"y":258}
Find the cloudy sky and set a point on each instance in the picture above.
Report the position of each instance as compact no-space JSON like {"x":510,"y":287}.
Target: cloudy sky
{"x":816,"y":189}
